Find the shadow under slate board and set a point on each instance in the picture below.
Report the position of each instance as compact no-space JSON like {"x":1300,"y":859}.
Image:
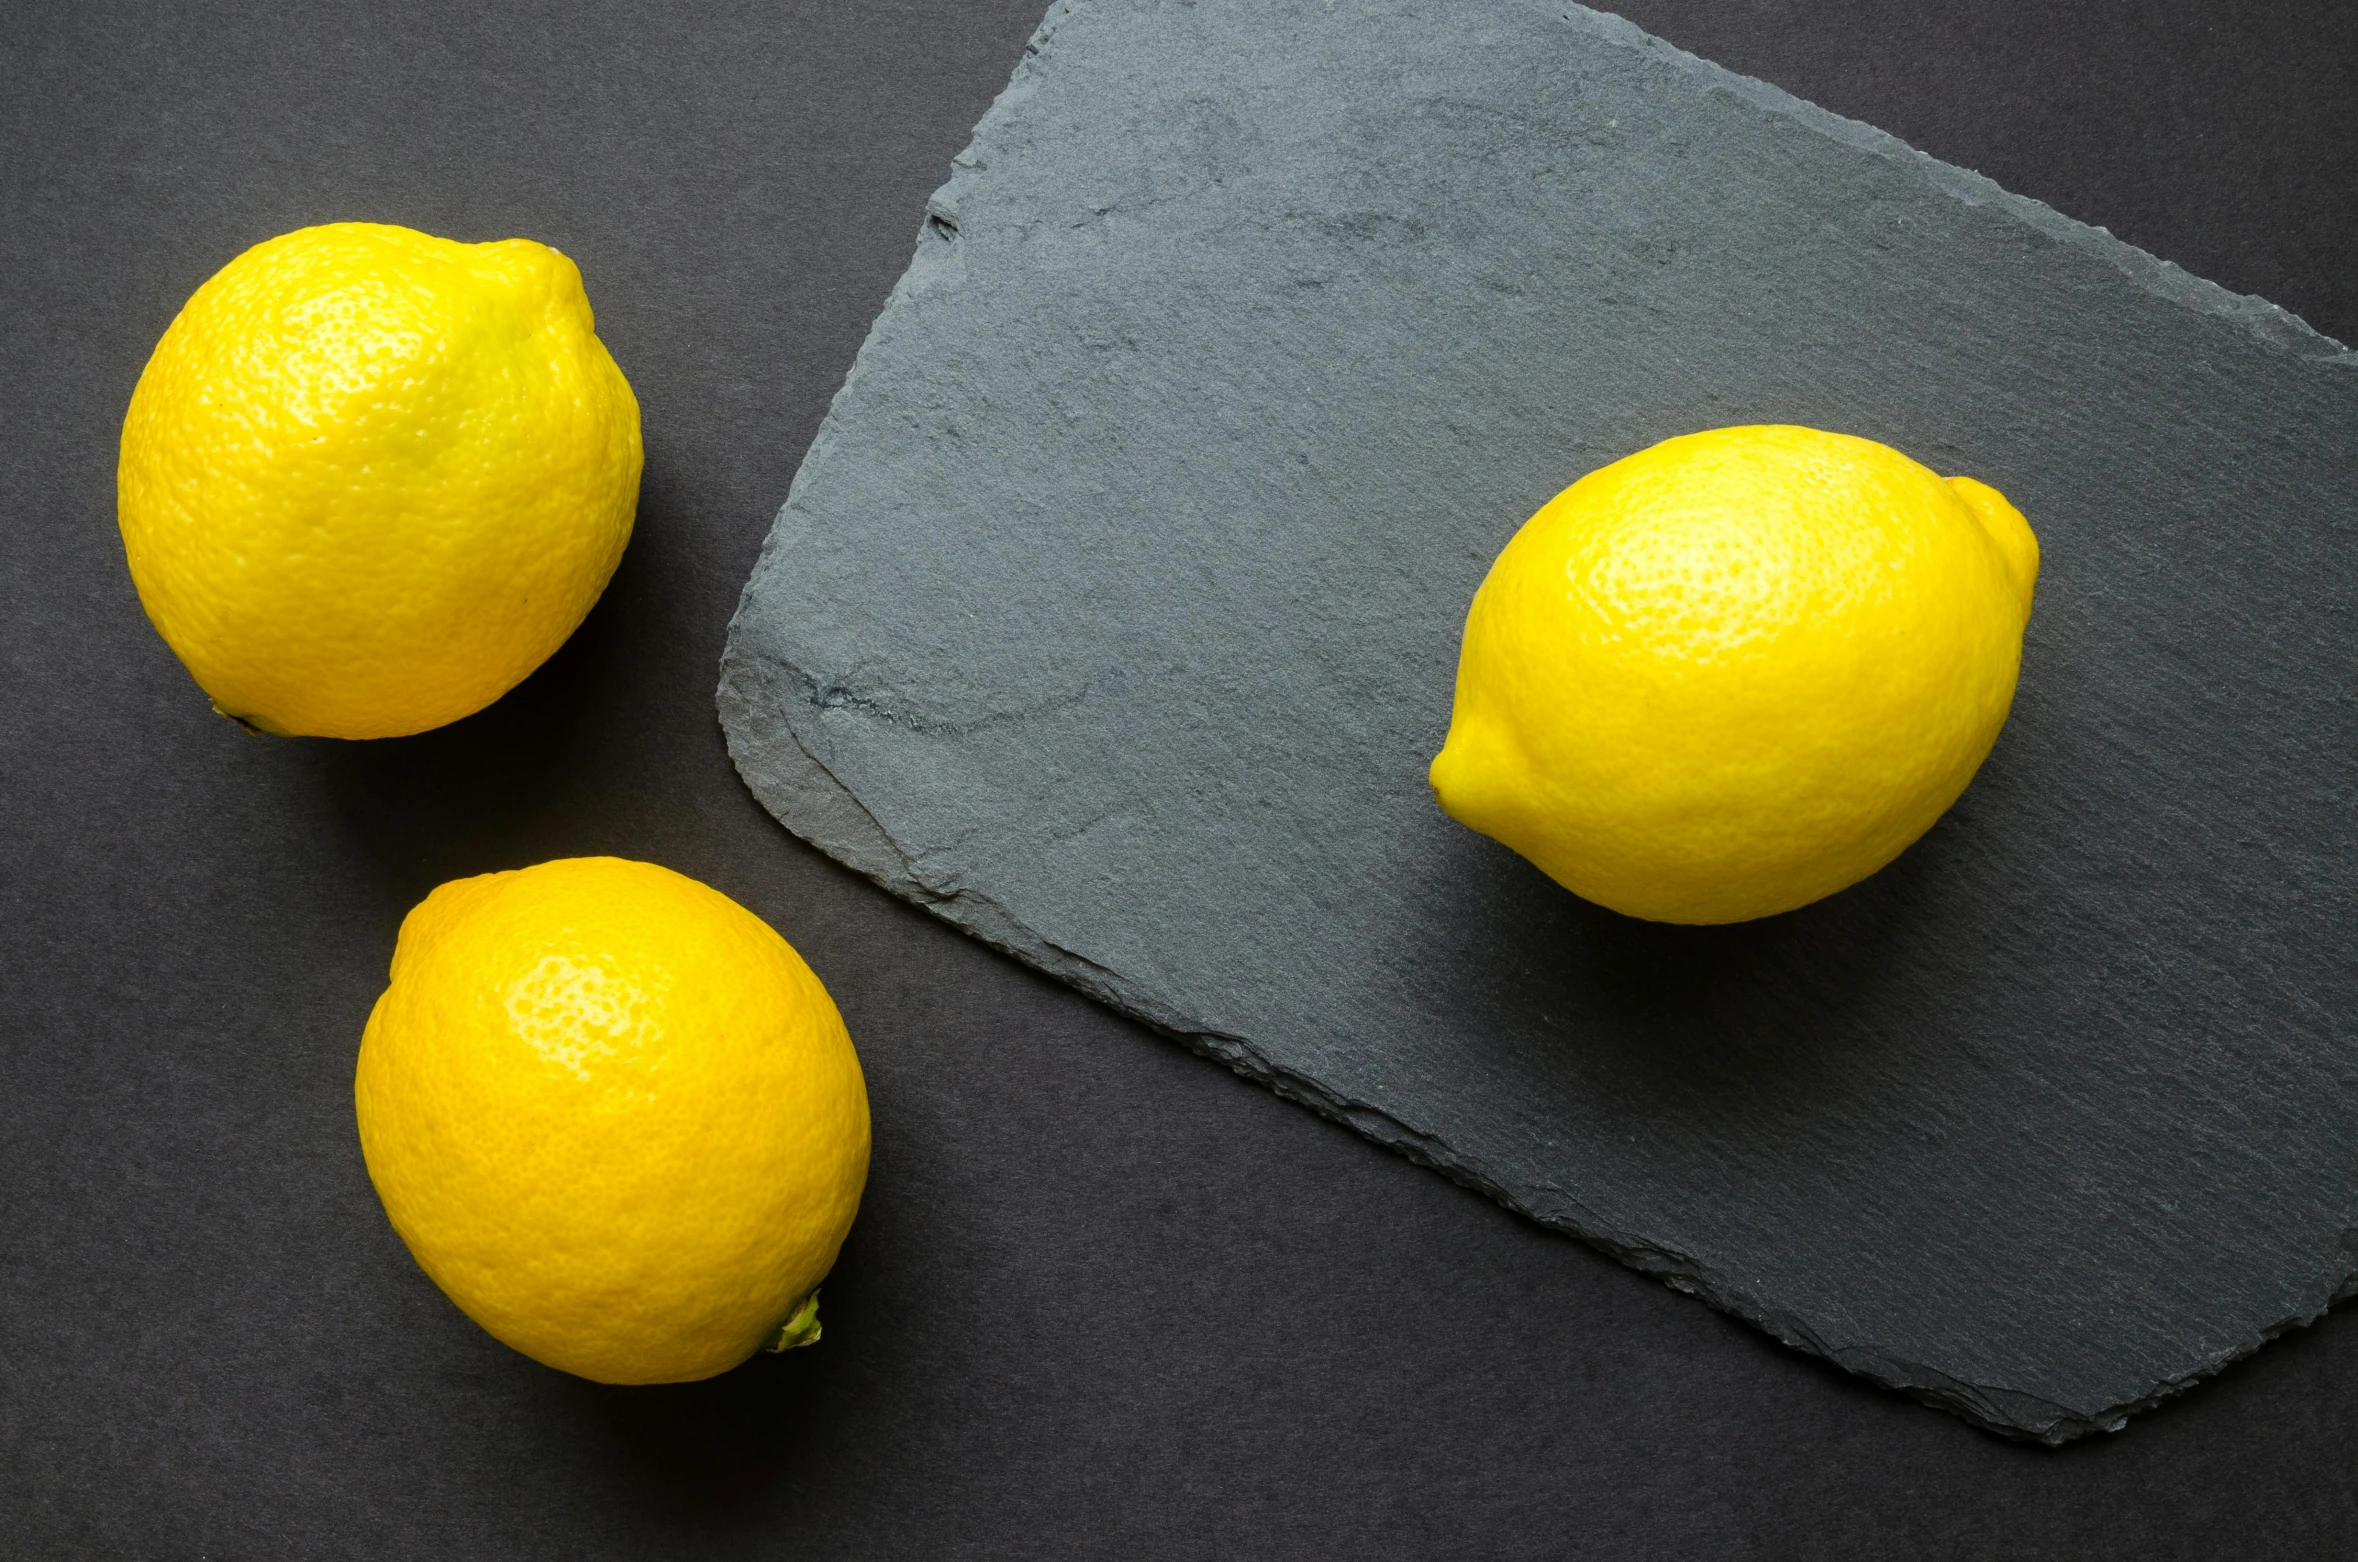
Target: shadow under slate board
{"x":1113,"y":616}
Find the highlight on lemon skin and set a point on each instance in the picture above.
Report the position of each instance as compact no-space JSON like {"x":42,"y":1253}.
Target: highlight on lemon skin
{"x":615,"y":1117}
{"x":370,"y":479}
{"x":1737,"y":671}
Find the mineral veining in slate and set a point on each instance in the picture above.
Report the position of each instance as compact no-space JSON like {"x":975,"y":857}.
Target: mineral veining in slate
{"x":1114,"y":612}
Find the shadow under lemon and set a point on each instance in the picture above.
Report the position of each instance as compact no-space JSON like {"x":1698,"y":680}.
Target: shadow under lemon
{"x":1722,"y":697}
{"x":492,"y":790}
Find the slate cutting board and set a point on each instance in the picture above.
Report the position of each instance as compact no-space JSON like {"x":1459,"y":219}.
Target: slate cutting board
{"x":1114,"y":611}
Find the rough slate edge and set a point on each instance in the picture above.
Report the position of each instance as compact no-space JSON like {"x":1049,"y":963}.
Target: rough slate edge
{"x":817,"y":807}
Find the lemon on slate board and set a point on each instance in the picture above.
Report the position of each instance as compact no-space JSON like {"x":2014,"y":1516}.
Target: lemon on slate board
{"x":615,"y":1117}
{"x":1738,"y":671}
{"x":370,"y":479}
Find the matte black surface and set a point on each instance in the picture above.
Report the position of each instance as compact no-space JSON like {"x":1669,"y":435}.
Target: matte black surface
{"x":1105,"y":1297}
{"x":1115,"y":611}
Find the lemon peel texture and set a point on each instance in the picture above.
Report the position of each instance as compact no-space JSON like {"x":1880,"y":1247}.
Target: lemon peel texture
{"x":1738,"y":671}
{"x":615,"y":1118}
{"x":370,"y":479}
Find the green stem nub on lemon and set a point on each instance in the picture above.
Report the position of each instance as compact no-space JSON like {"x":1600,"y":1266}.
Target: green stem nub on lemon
{"x":1738,"y":671}
{"x":800,"y":1328}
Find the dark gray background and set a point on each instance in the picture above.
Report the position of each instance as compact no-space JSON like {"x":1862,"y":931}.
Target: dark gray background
{"x":1104,"y":1295}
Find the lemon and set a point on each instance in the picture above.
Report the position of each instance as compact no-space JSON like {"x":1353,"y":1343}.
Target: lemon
{"x":614,"y":1116}
{"x":1737,"y":671}
{"x":370,"y":479}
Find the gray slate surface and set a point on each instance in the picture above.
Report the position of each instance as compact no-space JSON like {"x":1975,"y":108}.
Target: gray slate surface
{"x":1114,"y":611}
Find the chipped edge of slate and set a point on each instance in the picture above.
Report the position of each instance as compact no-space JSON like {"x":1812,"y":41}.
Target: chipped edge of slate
{"x":818,"y":808}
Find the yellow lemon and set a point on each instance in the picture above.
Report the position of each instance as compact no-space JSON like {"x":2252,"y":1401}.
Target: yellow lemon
{"x":615,"y":1117}
{"x":370,"y":479}
{"x":1737,"y":671}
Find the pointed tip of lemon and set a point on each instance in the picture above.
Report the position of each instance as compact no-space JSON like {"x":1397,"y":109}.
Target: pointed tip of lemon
{"x":2017,"y":544}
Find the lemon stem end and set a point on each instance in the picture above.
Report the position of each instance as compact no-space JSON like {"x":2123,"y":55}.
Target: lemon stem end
{"x":253,"y":725}
{"x":800,"y":1328}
